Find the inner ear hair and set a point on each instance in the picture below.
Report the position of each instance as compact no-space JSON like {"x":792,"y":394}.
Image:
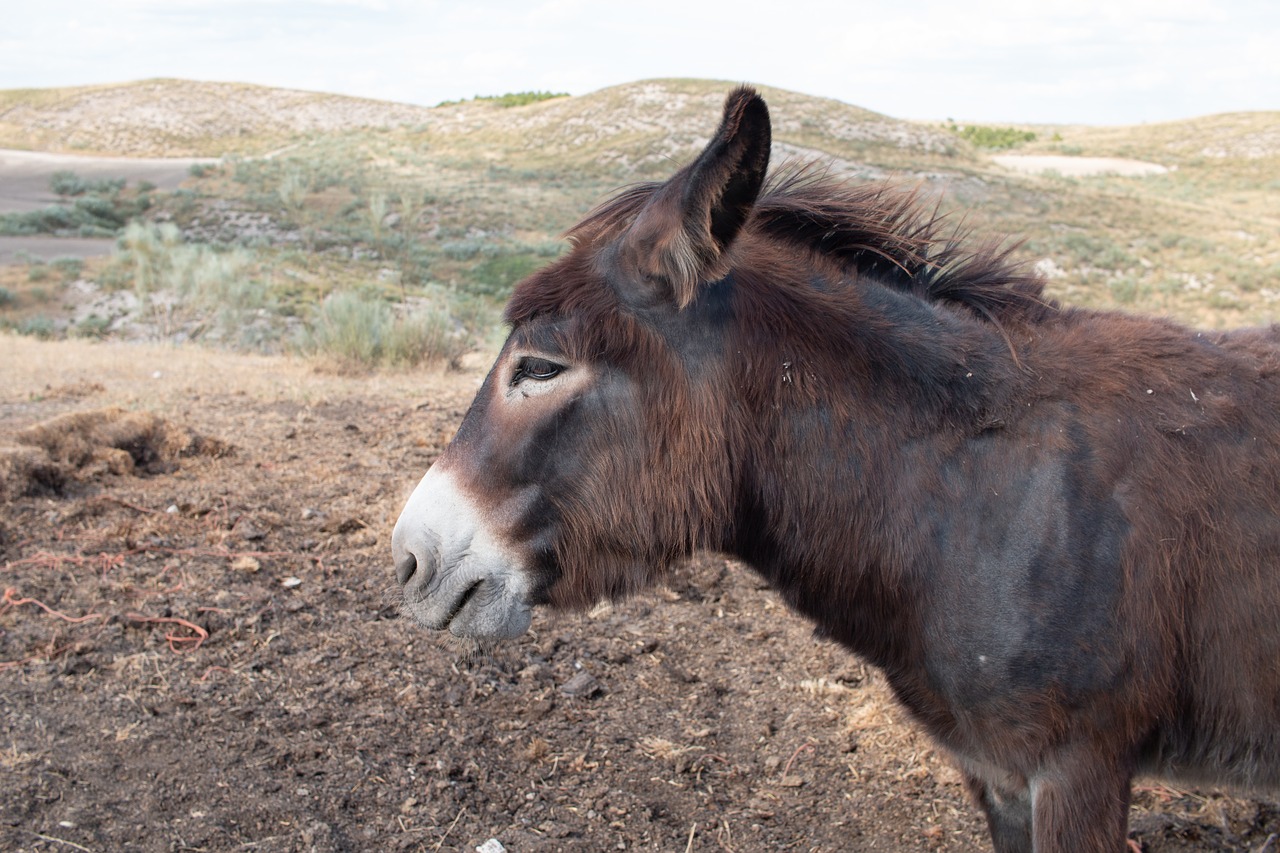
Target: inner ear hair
{"x":681,"y":236}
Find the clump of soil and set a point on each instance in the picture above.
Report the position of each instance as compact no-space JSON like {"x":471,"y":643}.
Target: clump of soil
{"x":79,"y":446}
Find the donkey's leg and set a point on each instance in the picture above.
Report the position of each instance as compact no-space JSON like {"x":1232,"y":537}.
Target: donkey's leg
{"x":1008,"y":815}
{"x":1081,"y":805}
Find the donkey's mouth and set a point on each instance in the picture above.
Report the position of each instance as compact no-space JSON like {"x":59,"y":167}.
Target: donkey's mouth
{"x":461,"y":604}
{"x":488,"y":607}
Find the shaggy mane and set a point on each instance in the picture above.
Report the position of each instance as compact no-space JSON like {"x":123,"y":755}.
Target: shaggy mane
{"x":874,"y":229}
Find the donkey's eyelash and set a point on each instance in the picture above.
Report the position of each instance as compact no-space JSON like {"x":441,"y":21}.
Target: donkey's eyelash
{"x":537,"y":369}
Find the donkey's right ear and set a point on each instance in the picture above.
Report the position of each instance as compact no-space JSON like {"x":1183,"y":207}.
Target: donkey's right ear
{"x":681,"y":236}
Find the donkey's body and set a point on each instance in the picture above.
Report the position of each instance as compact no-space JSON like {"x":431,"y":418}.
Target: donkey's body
{"x":1056,"y":531}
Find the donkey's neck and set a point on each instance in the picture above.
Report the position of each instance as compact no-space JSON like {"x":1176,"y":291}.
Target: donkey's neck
{"x":916,"y":382}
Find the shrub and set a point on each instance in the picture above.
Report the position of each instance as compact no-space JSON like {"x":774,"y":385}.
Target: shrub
{"x":511,"y":99}
{"x":293,"y":188}
{"x":496,"y":276}
{"x":67,"y":183}
{"x":93,"y":326}
{"x":69,"y":268}
{"x":39,"y":326}
{"x":151,"y":259}
{"x":424,"y":336}
{"x":7,"y":297}
{"x":1097,"y":251}
{"x":89,"y":216}
{"x":1125,"y":290}
{"x":349,"y":330}
{"x":355,"y":332}
{"x":992,"y":137}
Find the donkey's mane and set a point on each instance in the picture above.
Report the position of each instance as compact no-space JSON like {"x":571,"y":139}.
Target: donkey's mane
{"x":877,"y":230}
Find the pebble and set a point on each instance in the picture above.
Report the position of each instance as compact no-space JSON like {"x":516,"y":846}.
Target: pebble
{"x":581,"y":684}
{"x":493,"y":845}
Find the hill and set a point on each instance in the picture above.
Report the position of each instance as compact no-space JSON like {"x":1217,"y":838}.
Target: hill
{"x":183,"y":118}
{"x":455,"y":203}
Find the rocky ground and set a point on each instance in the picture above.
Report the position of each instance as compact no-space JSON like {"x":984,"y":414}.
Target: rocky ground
{"x":200,"y":650}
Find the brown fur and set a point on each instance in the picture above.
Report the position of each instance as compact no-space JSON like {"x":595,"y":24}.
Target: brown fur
{"x":1057,"y":531}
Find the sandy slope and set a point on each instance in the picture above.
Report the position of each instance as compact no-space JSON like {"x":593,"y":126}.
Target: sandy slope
{"x":1075,"y":167}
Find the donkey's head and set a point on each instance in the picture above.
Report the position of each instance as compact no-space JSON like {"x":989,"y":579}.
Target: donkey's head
{"x":597,"y":450}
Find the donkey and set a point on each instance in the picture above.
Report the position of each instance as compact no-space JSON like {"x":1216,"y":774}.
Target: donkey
{"x":1056,"y":531}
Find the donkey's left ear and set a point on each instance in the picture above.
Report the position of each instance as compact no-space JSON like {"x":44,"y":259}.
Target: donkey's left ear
{"x":680,"y":237}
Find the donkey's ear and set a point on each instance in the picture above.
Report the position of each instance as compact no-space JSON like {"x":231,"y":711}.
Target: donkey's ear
{"x":680,"y":237}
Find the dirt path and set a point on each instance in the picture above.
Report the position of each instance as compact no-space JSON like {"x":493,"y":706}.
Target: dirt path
{"x":24,"y":175}
{"x":1076,"y":167}
{"x":25,"y":185}
{"x":237,"y":677}
{"x":42,"y":247}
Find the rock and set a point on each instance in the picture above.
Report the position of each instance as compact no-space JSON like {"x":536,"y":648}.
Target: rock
{"x":582,"y":684}
{"x":246,"y":564}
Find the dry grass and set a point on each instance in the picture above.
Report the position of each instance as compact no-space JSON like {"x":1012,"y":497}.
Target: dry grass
{"x":164,"y":379}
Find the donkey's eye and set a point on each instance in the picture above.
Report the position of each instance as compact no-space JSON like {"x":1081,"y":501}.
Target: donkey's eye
{"x":538,"y":369}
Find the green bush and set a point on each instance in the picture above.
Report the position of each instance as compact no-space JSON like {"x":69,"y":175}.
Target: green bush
{"x":39,"y":326}
{"x":422,"y":337}
{"x":348,"y":329}
{"x":93,"y":326}
{"x":68,"y":183}
{"x":196,"y":279}
{"x":7,"y":297}
{"x":511,"y":99}
{"x":1097,"y":251}
{"x":1126,"y":290}
{"x":355,"y":332}
{"x":69,"y":268}
{"x":992,"y":137}
{"x":496,"y":276}
{"x":88,"y":216}
{"x":292,"y":188}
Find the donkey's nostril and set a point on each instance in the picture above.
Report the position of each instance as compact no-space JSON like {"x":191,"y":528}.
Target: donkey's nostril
{"x":405,"y":567}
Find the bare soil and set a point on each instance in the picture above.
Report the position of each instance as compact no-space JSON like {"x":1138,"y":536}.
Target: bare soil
{"x":200,"y":650}
{"x":1075,"y":167}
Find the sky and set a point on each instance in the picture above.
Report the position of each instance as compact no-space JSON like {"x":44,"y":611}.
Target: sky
{"x":1030,"y":61}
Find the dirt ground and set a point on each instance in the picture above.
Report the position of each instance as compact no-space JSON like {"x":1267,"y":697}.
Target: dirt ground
{"x":200,"y":650}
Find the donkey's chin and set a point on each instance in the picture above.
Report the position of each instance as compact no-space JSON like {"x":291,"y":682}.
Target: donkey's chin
{"x":484,"y":614}
{"x":501,"y":620}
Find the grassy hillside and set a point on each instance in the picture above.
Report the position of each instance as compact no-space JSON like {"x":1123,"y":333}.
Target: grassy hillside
{"x":452,"y":205}
{"x":181,"y":118}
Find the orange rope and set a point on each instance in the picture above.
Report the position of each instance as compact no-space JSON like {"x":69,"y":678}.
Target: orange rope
{"x":12,"y":600}
{"x":174,"y":639}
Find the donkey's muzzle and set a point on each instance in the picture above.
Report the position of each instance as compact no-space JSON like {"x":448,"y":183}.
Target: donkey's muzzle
{"x":455,"y":571}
